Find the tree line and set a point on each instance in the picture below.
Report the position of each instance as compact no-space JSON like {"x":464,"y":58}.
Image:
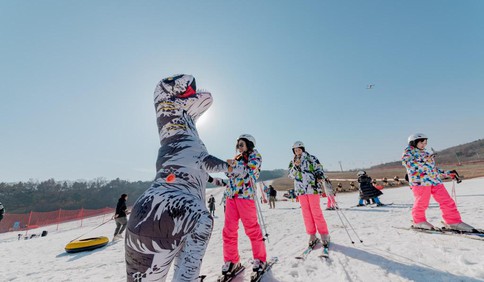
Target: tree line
{"x":51,"y":195}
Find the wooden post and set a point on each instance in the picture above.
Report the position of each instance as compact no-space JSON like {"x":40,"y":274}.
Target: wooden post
{"x":58,"y":220}
{"x":82,"y":215}
{"x":28,"y":224}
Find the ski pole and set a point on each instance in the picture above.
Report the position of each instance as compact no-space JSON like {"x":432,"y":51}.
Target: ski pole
{"x":454,"y":194}
{"x":258,"y":209}
{"x":344,"y":225}
{"x":351,"y":226}
{"x":261,"y":219}
{"x":264,"y":227}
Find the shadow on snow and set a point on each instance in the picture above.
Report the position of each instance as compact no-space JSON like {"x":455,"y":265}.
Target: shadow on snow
{"x":412,"y":272}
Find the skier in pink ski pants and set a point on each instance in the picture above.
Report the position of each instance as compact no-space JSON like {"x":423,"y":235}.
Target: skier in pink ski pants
{"x":425,"y":181}
{"x":306,"y":171}
{"x":240,"y":205}
{"x":330,"y":194}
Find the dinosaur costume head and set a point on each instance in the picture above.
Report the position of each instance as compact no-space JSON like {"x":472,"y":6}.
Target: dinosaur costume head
{"x":178,"y":94}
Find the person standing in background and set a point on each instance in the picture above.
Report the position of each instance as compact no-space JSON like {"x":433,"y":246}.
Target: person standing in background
{"x":120,"y":217}
{"x":211,"y":205}
{"x":307,"y":171}
{"x":272,"y":197}
{"x":2,"y":211}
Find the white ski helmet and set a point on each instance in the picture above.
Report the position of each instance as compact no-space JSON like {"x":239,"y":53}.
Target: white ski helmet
{"x":248,"y":137}
{"x":416,"y":136}
{"x":298,"y":144}
{"x":360,"y":173}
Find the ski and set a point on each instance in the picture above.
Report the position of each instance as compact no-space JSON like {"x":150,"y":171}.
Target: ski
{"x":367,"y":206}
{"x":257,"y":276}
{"x":308,"y":250}
{"x":383,"y":205}
{"x":443,"y":231}
{"x":477,"y":235}
{"x":230,"y":275}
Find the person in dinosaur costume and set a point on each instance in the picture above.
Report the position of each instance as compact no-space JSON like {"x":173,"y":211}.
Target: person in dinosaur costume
{"x":170,"y":221}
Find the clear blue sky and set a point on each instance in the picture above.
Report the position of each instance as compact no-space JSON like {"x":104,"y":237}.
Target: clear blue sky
{"x":77,"y":80}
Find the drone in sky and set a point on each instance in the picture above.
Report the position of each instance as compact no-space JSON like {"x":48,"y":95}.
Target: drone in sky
{"x":370,"y":86}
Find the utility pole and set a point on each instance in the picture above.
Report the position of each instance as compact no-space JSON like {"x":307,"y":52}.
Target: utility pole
{"x":457,"y":157}
{"x":340,"y":166}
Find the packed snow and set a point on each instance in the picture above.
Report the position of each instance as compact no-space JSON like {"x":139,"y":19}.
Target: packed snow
{"x":386,"y":254}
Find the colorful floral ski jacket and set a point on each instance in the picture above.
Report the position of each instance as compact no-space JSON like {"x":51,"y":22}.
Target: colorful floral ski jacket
{"x":421,"y":168}
{"x":243,"y":177}
{"x":306,"y":174}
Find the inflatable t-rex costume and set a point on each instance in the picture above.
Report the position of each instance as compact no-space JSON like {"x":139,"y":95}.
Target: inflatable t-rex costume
{"x":170,"y":220}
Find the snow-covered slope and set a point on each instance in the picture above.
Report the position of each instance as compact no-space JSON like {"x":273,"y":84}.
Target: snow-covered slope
{"x":387,"y":253}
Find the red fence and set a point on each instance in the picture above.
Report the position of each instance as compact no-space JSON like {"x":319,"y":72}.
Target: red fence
{"x":18,"y":222}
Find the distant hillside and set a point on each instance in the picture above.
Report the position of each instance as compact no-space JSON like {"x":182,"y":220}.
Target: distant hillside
{"x":465,"y":153}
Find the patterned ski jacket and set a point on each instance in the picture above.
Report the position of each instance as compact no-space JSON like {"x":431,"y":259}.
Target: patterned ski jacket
{"x":421,"y":168}
{"x":243,"y":177}
{"x":306,"y":174}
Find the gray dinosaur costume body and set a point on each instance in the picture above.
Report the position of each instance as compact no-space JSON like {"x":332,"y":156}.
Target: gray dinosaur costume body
{"x":170,"y":220}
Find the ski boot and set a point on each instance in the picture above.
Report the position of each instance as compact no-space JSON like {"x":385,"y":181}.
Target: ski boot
{"x":461,"y":227}
{"x":258,"y":265}
{"x":423,"y":225}
{"x":313,"y":241}
{"x":258,"y":269}
{"x":325,"y":239}
{"x":229,"y":267}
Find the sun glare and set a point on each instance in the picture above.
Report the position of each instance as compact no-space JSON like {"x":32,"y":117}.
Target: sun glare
{"x":203,"y":119}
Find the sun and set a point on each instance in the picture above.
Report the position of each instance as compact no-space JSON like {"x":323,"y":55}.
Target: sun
{"x":204,"y":119}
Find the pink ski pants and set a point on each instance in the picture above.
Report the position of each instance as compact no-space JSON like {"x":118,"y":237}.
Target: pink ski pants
{"x":450,"y":214}
{"x":331,"y":201}
{"x":245,"y":210}
{"x":312,"y":214}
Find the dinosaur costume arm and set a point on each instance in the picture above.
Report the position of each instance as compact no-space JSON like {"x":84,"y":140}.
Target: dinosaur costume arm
{"x":213,"y":164}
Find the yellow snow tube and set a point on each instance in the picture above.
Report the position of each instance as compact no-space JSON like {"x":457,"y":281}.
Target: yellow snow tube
{"x":88,"y":244}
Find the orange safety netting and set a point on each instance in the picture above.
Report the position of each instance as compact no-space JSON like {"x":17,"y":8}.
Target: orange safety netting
{"x":17,"y":222}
